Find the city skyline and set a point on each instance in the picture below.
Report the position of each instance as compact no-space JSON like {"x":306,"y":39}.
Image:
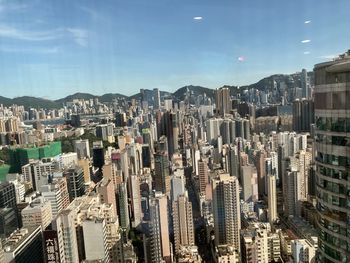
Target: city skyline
{"x":52,"y":49}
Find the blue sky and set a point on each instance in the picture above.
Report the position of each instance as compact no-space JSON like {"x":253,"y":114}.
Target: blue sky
{"x":52,"y":48}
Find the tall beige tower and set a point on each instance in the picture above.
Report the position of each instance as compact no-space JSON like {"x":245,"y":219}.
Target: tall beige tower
{"x":272,"y":199}
{"x":203,"y":175}
{"x":183,"y":223}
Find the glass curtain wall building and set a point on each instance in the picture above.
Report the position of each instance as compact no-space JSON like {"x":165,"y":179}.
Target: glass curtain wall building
{"x":332,"y":137}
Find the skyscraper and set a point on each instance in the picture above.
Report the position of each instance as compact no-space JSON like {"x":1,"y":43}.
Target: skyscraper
{"x":223,"y":101}
{"x":183,"y":222}
{"x":332,"y":97}
{"x":304,"y":84}
{"x":159,"y":229}
{"x":226,"y":208}
{"x":161,"y":176}
{"x":203,"y":175}
{"x":272,"y":198}
{"x":156,"y":96}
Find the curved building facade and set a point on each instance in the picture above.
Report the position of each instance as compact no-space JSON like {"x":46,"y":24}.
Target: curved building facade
{"x":332,"y":141}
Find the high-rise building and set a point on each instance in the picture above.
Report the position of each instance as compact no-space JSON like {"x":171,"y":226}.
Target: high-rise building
{"x":63,"y":224}
{"x":159,"y":229}
{"x":8,"y":209}
{"x":303,"y":251}
{"x":106,"y":189}
{"x":203,"y":175}
{"x":75,"y":182}
{"x":38,"y":172}
{"x":161,"y":173}
{"x":7,"y":195}
{"x":82,"y":148}
{"x":305,"y":86}
{"x":57,"y":193}
{"x":98,"y":155}
{"x":94,"y":218}
{"x":223,"y":101}
{"x":255,"y":245}
{"x":156,"y":96}
{"x":123,"y":209}
{"x":136,"y":211}
{"x":303,"y":115}
{"x":332,"y":96}
{"x":183,"y":222}
{"x":249,"y":181}
{"x":271,"y":199}
{"x":95,"y":240}
{"x":37,"y":213}
{"x":8,"y":221}
{"x":178,"y":181}
{"x":24,"y":245}
{"x":226,"y":210}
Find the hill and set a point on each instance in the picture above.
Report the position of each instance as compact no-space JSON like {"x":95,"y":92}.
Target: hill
{"x":30,"y":102}
{"x":195,"y":91}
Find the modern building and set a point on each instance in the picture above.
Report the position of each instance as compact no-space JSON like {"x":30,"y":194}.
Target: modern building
{"x":64,"y":226}
{"x":183,"y":222}
{"x":332,"y":96}
{"x":82,"y":148}
{"x":254,"y":246}
{"x":105,"y":188}
{"x":223,"y":101}
{"x":57,"y":193}
{"x":24,"y":246}
{"x":123,"y":208}
{"x":95,"y":240}
{"x":37,"y":213}
{"x":38,"y":172}
{"x":303,"y":251}
{"x":156,"y":99}
{"x":303,"y":115}
{"x":226,"y":209}
{"x":271,"y":199}
{"x":160,"y":250}
{"x":161,"y":173}
{"x":9,"y":219}
{"x":136,"y":210}
{"x":75,"y":182}
{"x":203,"y":175}
{"x":98,"y":155}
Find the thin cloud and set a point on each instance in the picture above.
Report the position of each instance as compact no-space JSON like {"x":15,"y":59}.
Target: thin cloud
{"x":79,"y":36}
{"x":52,"y":50}
{"x":15,"y":33}
{"x":307,"y":22}
{"x":306,"y":52}
{"x":306,"y":41}
{"x":198,"y":18}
